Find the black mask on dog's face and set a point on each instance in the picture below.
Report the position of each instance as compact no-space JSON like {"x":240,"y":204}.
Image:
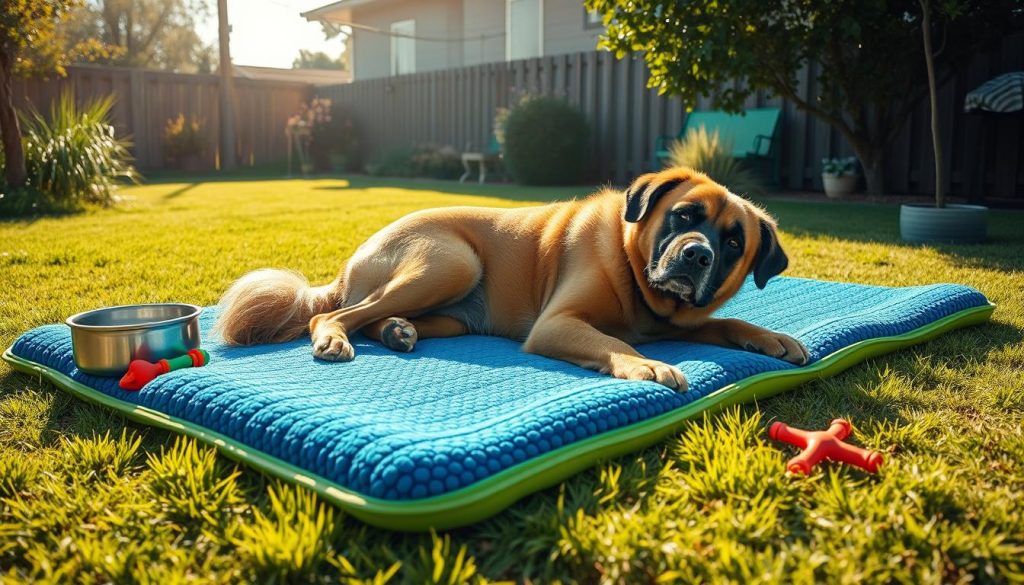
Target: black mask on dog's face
{"x":696,"y":250}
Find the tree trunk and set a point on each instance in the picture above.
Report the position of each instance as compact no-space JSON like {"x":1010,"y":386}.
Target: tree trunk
{"x":227,"y":92}
{"x":14,"y":155}
{"x":874,"y":169}
{"x":929,"y":59}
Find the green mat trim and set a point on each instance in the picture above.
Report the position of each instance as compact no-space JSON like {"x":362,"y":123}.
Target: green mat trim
{"x":493,"y":494}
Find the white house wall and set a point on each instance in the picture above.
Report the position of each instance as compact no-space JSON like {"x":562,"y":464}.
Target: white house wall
{"x":484,"y":25}
{"x":476,"y":29}
{"x":564,"y":29}
{"x":434,"y":19}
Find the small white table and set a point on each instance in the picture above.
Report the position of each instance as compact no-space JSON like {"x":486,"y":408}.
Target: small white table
{"x":478,"y":157}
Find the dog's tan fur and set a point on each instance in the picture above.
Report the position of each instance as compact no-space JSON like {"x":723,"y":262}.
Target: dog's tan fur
{"x":568,"y":279}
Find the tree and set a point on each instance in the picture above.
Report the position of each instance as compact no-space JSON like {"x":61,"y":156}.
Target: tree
{"x":317,"y":60}
{"x":229,"y":150}
{"x":933,"y":98}
{"x":872,"y":71}
{"x":32,"y":43}
{"x":159,"y":34}
{"x":332,"y":31}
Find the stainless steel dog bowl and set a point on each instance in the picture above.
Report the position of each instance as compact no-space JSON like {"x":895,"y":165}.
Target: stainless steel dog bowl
{"x":106,"y":340}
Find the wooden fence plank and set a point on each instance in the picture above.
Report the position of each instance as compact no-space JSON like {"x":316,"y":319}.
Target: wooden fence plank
{"x":796,"y":136}
{"x":146,"y":100}
{"x":625,"y":117}
{"x":620,"y":140}
{"x":638,"y":104}
{"x":984,"y":155}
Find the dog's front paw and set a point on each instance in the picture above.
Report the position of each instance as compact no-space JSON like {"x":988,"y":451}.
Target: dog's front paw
{"x":634,"y":368}
{"x":333,"y":347}
{"x":778,"y":345}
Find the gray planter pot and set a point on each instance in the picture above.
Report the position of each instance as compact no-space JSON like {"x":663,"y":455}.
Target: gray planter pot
{"x":837,"y":186}
{"x":954,"y":224}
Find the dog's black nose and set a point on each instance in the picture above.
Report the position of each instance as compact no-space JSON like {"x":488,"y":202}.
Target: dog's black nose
{"x":699,"y":254}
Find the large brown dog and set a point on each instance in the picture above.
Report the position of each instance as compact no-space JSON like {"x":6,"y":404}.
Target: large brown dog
{"x":579,"y":281}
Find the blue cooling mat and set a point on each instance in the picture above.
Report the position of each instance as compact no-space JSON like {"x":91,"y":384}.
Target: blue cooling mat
{"x":462,"y":427}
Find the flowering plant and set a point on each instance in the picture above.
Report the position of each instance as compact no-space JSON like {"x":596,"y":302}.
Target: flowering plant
{"x":183,"y":138}
{"x":316,"y":113}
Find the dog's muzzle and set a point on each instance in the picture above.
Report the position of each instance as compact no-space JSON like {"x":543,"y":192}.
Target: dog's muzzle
{"x":687,"y":273}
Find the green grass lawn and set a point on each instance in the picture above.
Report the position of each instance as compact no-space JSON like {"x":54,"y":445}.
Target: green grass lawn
{"x":86,"y":496}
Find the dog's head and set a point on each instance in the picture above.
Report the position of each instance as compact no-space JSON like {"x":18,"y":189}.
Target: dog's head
{"x":696,"y":242}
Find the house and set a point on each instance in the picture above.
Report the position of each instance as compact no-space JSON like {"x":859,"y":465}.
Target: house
{"x":314,"y":77}
{"x":394,"y":37}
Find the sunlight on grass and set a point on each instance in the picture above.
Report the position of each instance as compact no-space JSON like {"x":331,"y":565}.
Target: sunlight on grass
{"x":293,"y":539}
{"x":193,"y":485}
{"x":87,"y":496}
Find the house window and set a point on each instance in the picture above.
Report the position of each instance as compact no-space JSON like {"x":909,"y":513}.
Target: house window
{"x":592,"y":19}
{"x":524,"y":29}
{"x":403,"y":47}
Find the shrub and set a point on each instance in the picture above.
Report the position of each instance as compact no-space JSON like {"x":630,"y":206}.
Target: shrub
{"x":73,"y":156}
{"x":545,"y":142}
{"x":396,"y":162}
{"x":705,"y":152}
{"x":423,"y":160}
{"x":16,"y":201}
{"x":436,"y":162}
{"x":183,"y":140}
{"x":336,"y":142}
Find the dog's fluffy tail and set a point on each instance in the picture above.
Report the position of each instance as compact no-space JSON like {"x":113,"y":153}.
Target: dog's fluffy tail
{"x":271,"y":306}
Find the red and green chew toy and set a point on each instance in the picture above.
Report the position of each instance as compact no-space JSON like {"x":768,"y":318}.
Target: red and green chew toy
{"x":141,"y":372}
{"x":818,"y":445}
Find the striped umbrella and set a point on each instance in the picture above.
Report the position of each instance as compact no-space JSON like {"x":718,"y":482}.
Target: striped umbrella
{"x":1003,"y":94}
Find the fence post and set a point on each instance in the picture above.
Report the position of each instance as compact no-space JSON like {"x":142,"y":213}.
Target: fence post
{"x":138,"y":131}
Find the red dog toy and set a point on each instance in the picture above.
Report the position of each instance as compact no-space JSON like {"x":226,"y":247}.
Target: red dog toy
{"x":141,"y":372}
{"x":818,"y":445}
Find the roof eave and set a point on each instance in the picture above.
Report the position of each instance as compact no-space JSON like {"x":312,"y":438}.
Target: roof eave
{"x":341,"y":10}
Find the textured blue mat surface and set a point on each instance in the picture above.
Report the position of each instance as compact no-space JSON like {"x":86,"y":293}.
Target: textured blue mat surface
{"x":408,"y":426}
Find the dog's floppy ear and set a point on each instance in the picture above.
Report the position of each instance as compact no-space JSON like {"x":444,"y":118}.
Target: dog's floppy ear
{"x":771,"y":259}
{"x":644,"y":193}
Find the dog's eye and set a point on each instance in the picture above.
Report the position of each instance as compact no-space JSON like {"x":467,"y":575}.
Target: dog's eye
{"x":683,"y":216}
{"x":733,"y":243}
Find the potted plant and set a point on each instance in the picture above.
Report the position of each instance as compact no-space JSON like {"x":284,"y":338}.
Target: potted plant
{"x":839,"y":176}
{"x":943,"y":222}
{"x":184,"y":143}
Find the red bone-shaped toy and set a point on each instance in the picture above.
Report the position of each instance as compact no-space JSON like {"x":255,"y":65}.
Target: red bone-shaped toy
{"x":818,"y":445}
{"x":141,"y":372}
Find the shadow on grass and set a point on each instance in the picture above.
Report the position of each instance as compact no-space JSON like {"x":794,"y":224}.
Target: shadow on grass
{"x":69,"y":416}
{"x":182,"y":190}
{"x":879,"y":224}
{"x":508,"y":191}
{"x":258,"y":173}
{"x":848,"y":394}
{"x":27,"y":220}
{"x":51,"y":213}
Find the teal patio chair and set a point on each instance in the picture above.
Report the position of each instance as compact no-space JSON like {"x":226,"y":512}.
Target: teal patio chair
{"x":753,"y":136}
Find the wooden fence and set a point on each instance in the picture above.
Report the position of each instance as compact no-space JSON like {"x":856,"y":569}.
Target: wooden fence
{"x":984,"y":156}
{"x":145,"y":100}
